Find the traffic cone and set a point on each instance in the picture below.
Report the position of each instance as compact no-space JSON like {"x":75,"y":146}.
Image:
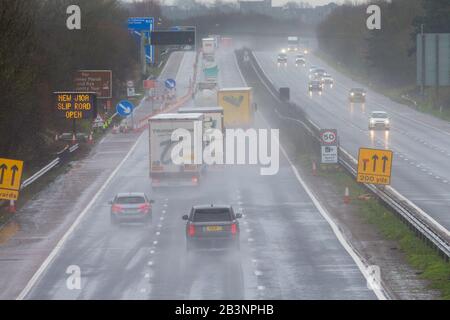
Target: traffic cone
{"x":12,"y":206}
{"x":91,"y":138}
{"x":347,"y":196}
{"x":56,"y":137}
{"x":314,"y":168}
{"x":74,"y":139}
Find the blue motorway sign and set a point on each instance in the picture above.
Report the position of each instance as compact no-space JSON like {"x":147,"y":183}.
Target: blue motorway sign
{"x":170,"y":83}
{"x":140,"y":24}
{"x":124,"y":108}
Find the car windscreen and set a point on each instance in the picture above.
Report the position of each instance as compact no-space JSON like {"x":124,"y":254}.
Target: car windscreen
{"x":379,"y":115}
{"x":130,"y":200}
{"x":212,"y":215}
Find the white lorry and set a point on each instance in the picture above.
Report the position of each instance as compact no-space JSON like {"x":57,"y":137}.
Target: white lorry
{"x":293,"y":44}
{"x":208,"y":49}
{"x":163,"y":170}
{"x":213,"y":119}
{"x":213,"y":116}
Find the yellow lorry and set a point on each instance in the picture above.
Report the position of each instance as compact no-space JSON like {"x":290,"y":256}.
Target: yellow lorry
{"x":238,"y":108}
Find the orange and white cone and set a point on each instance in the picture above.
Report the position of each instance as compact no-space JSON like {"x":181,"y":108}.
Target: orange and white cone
{"x":74,"y":139}
{"x":314,"y":168}
{"x":56,"y":137}
{"x":91,"y":138}
{"x":347,"y":196}
{"x":12,"y":206}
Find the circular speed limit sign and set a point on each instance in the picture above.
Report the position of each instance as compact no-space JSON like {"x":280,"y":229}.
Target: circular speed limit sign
{"x":328,"y":137}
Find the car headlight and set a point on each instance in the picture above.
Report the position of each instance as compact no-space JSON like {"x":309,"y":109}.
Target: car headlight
{"x":352,"y":94}
{"x":372,"y":121}
{"x":386,"y":121}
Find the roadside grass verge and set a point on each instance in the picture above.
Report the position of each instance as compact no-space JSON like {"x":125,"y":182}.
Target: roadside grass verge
{"x":429,"y":264}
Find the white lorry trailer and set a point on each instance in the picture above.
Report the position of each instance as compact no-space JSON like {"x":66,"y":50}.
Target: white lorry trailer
{"x":163,"y":170}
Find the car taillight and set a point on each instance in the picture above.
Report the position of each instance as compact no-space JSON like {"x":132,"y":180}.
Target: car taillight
{"x":191,"y":230}
{"x":194,"y":179}
{"x":144,"y":207}
{"x":116,"y":208}
{"x":234,"y":228}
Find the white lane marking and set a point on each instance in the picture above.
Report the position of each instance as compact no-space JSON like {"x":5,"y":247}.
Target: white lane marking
{"x":161,"y":218}
{"x":143,"y":290}
{"x":66,"y":235}
{"x":158,"y":233}
{"x":150,"y":263}
{"x":258,"y":273}
{"x":380,"y":294}
{"x":147,"y":275}
{"x":155,"y":242}
{"x":164,"y":211}
{"x":159,"y":226}
{"x":250,"y":239}
{"x":152,"y":251}
{"x":261,"y":287}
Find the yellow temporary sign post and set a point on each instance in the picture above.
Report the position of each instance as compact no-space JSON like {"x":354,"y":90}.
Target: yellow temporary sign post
{"x":374,"y":166}
{"x":10,"y":177}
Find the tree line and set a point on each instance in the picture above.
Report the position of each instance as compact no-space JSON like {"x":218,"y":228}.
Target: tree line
{"x":39,"y":55}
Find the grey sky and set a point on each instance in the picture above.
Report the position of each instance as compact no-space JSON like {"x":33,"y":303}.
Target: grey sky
{"x":275,"y":2}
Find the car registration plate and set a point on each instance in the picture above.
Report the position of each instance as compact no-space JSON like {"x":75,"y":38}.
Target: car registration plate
{"x":214,"y":228}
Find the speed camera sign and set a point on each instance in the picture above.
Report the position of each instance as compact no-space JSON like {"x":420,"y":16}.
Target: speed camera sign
{"x":329,"y":146}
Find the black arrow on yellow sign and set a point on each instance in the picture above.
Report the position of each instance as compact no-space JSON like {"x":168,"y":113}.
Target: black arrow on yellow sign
{"x":3,"y":168}
{"x":375,"y":159}
{"x":14,"y":169}
{"x":385,"y":159}
{"x":365,"y":164}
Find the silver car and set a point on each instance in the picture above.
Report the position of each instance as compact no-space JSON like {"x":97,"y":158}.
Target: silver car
{"x":379,"y":120}
{"x":131,"y":207}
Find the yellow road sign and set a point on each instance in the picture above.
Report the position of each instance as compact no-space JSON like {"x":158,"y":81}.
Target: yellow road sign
{"x":374,"y":166}
{"x":10,"y":175}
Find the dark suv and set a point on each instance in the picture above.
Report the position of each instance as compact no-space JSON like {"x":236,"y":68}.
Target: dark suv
{"x":212,"y":227}
{"x":130,"y":207}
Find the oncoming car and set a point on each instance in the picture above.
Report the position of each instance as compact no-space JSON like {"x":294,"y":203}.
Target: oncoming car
{"x":300,"y":61}
{"x":315,"y":86}
{"x":357,"y":95}
{"x":282,"y":59}
{"x":327,"y":79}
{"x":379,"y":120}
{"x":131,"y":207}
{"x":212,"y":227}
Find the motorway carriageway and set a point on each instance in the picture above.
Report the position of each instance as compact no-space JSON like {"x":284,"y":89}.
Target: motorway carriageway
{"x":421,"y":170}
{"x":288,"y":249}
